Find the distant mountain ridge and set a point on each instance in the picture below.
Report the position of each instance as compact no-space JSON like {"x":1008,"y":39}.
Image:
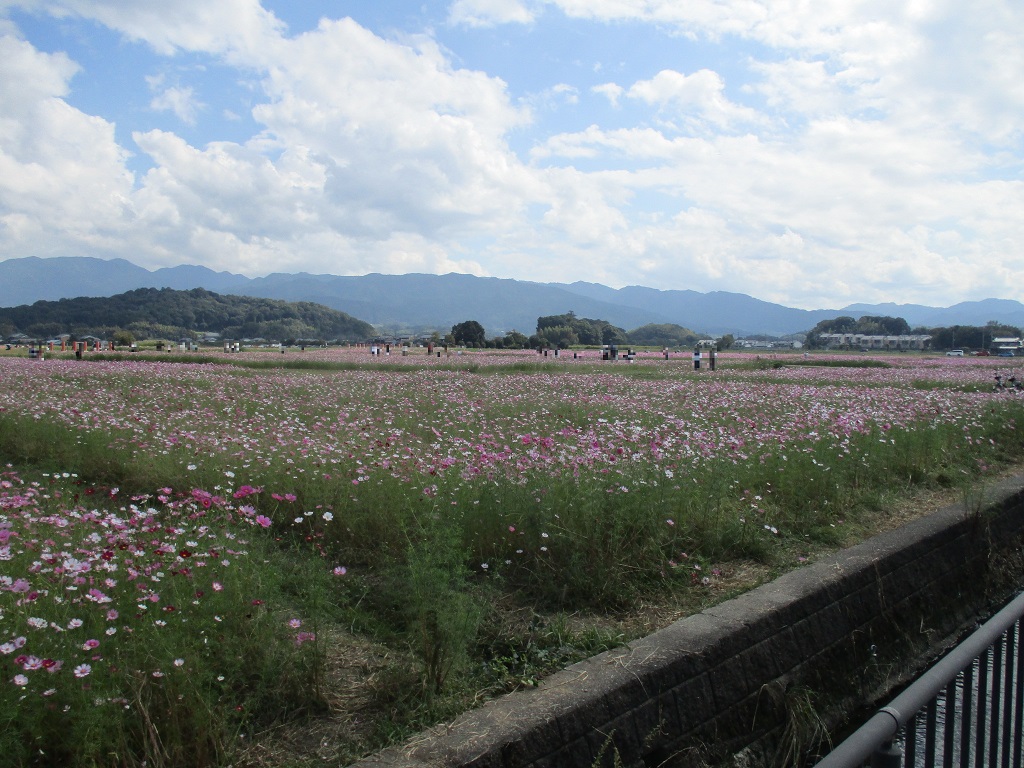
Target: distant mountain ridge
{"x":420,"y":301}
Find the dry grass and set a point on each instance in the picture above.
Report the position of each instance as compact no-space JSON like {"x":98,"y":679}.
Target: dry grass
{"x":352,"y":683}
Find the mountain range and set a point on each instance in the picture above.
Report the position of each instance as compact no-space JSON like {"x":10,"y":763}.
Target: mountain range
{"x":417,"y":302}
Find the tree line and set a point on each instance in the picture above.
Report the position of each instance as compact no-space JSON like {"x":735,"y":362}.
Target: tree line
{"x":568,"y":330}
{"x":956,"y":336}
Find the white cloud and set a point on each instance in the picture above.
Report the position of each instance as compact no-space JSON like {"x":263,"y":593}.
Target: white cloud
{"x":180,"y":100}
{"x":862,"y":202}
{"x":373,"y":141}
{"x":851,"y":150}
{"x":62,"y":175}
{"x":233,"y":207}
{"x":20,"y":63}
{"x":568,"y":93}
{"x":696,"y":99}
{"x":409,"y":142}
{"x":694,"y":17}
{"x":487,"y":13}
{"x":610,"y":91}
{"x":240,"y":28}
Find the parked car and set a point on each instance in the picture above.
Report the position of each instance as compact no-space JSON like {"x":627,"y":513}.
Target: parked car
{"x":1006,"y":354}
{"x":955,"y":353}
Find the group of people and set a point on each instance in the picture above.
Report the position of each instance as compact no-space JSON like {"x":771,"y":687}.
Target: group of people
{"x":1010,"y":383}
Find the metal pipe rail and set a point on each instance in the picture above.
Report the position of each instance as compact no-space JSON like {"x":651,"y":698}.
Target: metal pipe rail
{"x":987,"y":727}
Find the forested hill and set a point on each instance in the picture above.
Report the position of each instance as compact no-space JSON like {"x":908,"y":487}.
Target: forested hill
{"x":167,"y":313}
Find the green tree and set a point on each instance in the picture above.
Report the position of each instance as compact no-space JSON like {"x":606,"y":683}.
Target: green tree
{"x":470,"y":333}
{"x":566,"y":330}
{"x":662,"y":335}
{"x":554,"y":321}
{"x":611,"y":334}
{"x":123,"y":338}
{"x":44,"y":330}
{"x":516,"y":340}
{"x":561,"y":336}
{"x":876,"y":325}
{"x":971,"y":336}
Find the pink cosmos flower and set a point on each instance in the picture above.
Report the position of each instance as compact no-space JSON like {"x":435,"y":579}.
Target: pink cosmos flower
{"x":83,"y":670}
{"x":263,"y":521}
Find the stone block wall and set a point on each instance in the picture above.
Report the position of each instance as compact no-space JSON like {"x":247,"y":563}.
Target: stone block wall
{"x":717,"y":682}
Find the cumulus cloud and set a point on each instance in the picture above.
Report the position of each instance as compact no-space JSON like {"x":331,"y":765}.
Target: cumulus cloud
{"x":62,"y":174}
{"x":367,"y":143}
{"x":695,"y":99}
{"x":408,"y":142}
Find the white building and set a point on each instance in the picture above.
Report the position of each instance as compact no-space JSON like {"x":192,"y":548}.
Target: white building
{"x":1011,"y":344}
{"x":865,"y":341}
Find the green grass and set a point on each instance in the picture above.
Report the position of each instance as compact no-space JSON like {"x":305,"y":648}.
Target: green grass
{"x":818,"y":362}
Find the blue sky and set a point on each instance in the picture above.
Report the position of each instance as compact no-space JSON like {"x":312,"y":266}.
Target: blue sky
{"x":812,"y":154}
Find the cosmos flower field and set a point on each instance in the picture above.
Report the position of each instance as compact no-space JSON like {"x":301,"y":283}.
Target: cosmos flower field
{"x":156,"y":517}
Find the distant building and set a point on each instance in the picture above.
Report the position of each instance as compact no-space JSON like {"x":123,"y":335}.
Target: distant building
{"x":916,"y":342}
{"x":1007,"y":344}
{"x":767,"y":344}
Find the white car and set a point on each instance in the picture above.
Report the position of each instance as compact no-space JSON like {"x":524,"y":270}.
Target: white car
{"x":955,"y":353}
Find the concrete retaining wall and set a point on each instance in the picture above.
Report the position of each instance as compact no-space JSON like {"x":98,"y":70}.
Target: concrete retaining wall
{"x":716,"y":682}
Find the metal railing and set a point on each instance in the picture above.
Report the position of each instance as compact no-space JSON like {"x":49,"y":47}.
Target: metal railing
{"x":967,"y":710}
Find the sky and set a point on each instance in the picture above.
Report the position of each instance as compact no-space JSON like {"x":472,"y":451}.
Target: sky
{"x":813,"y":153}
